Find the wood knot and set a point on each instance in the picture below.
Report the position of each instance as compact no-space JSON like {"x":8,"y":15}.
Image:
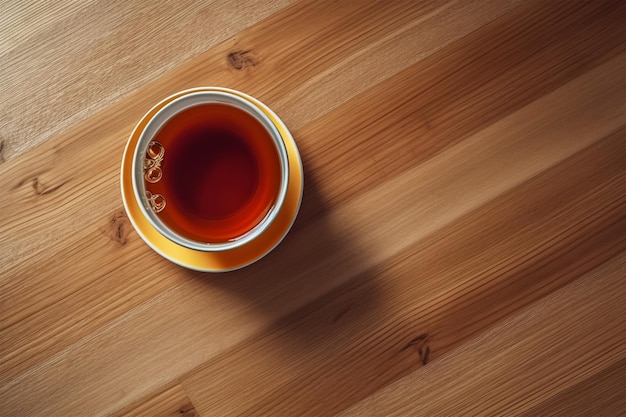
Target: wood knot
{"x":341,"y":313}
{"x":38,"y":186}
{"x":118,"y":227}
{"x":240,"y":60}
{"x":422,"y":343}
{"x":187,"y":410}
{"x":2,"y":151}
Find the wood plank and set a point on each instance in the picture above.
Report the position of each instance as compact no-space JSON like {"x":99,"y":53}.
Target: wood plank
{"x":21,"y":20}
{"x":382,"y":58}
{"x":117,"y":248}
{"x":212,"y":316}
{"x":173,"y":402}
{"x":65,"y":161}
{"x":602,"y":394}
{"x":306,"y":23}
{"x":38,"y":290}
{"x":519,"y":362}
{"x":464,"y":175}
{"x":95,"y":53}
{"x":427,"y":299}
{"x":46,"y":266}
{"x":109,"y":295}
{"x":442,"y":108}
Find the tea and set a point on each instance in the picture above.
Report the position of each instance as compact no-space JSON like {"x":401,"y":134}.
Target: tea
{"x":218,"y":171}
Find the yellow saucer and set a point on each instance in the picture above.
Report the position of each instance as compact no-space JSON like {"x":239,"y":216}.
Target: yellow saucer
{"x":225,"y":260}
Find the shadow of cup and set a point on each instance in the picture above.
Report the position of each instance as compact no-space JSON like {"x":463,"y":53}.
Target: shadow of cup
{"x":312,"y":261}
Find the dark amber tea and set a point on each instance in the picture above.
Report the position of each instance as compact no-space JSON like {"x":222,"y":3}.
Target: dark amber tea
{"x":217,"y":169}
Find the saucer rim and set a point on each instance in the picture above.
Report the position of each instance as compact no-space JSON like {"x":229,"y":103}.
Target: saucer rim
{"x":289,"y":143}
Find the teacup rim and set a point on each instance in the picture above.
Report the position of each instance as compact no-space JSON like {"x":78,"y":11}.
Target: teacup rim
{"x":156,"y":122}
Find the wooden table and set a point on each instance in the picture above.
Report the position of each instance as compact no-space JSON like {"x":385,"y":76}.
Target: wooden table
{"x":459,"y":250}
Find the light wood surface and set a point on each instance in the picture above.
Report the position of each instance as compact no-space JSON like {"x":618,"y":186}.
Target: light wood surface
{"x":460,"y":247}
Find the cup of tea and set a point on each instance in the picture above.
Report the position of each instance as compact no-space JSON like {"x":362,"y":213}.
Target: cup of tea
{"x":210,"y":171}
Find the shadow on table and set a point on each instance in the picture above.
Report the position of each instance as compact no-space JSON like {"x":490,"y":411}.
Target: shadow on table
{"x":315,"y":274}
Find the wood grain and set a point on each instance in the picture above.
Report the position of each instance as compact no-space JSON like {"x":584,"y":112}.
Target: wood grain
{"x":600,"y":394}
{"x":461,"y":234}
{"x":95,"y":53}
{"x":173,"y":402}
{"x":52,"y":162}
{"x":512,"y":366}
{"x":289,"y":292}
{"x":37,"y":289}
